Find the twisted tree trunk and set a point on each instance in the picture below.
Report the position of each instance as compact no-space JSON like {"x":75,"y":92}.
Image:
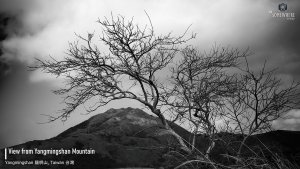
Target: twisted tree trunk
{"x":171,"y":131}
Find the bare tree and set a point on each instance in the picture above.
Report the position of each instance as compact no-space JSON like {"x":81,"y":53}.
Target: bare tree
{"x":200,"y":84}
{"x":261,"y":99}
{"x":129,"y":70}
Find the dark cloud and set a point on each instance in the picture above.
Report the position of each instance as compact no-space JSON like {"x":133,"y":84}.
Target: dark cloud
{"x":10,"y":25}
{"x":12,"y":13}
{"x":21,"y":103}
{"x":288,"y":47}
{"x":285,"y":45}
{"x":4,"y":67}
{"x":18,"y":96}
{"x":280,"y":45}
{"x":12,"y":85}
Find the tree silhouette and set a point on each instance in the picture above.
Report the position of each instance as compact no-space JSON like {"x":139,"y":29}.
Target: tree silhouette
{"x":201,"y":83}
{"x":129,"y":70}
{"x":260,"y":100}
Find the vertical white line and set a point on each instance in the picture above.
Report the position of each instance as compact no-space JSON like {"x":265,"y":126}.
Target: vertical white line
{"x":5,"y":154}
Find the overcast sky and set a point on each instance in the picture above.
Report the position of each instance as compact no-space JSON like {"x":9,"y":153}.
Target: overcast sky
{"x":39,"y":28}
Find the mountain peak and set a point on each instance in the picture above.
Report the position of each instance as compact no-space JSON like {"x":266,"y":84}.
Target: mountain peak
{"x":115,"y":121}
{"x":124,"y":137}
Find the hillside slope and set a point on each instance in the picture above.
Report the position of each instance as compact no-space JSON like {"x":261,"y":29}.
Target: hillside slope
{"x":120,"y":137}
